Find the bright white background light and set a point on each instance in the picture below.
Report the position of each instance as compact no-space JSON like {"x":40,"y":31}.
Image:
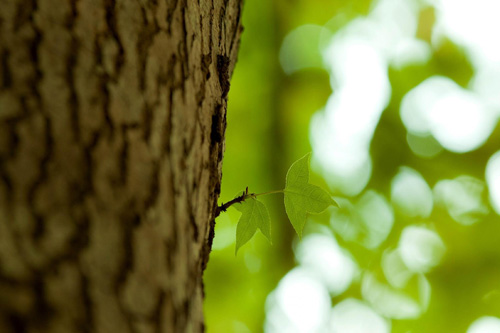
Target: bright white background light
{"x":321,"y":255}
{"x":354,"y":316}
{"x":411,"y":194}
{"x":420,"y":248}
{"x":300,"y":303}
{"x":485,"y":324}
{"x":493,"y":180}
{"x":457,"y":118}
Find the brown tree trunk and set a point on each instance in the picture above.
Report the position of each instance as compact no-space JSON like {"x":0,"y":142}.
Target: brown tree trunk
{"x":112,"y":118}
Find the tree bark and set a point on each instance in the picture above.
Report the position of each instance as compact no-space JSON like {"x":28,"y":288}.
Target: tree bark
{"x":112,"y":119}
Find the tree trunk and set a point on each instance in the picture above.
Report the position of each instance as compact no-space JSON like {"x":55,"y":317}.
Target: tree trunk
{"x":112,"y":119}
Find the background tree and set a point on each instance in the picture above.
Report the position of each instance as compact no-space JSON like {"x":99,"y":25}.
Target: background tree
{"x":112,"y":119}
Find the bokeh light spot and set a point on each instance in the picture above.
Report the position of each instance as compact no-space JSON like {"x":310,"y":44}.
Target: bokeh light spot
{"x":354,"y":316}
{"x":300,"y":302}
{"x":424,"y":146}
{"x":486,"y":324}
{"x":420,"y":248}
{"x":368,"y":222}
{"x":395,"y":270}
{"x":301,"y":48}
{"x":463,"y":198}
{"x":376,"y":217}
{"x":411,"y":194}
{"x":457,"y":118}
{"x":493,"y":180}
{"x":389,"y":302}
{"x":332,"y":265}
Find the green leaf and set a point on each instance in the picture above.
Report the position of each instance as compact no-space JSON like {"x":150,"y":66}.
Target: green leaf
{"x":254,"y":215}
{"x":301,"y":197}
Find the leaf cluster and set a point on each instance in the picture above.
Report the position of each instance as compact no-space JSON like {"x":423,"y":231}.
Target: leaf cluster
{"x":301,"y":198}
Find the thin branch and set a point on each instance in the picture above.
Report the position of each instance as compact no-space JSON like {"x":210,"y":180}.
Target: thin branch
{"x":245,"y":195}
{"x":224,"y":207}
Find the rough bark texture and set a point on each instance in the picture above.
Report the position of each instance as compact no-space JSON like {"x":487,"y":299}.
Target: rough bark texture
{"x":112,"y":118}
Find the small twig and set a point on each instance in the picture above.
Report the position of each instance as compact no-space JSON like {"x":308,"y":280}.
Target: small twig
{"x":245,"y":195}
{"x":224,"y":207}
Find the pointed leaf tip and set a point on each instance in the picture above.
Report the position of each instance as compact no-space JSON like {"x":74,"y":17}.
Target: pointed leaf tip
{"x":301,"y":197}
{"x":254,"y":215}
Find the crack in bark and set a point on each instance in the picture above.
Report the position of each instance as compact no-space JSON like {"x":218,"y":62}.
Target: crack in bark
{"x":127,"y":264}
{"x":110,"y":6}
{"x":37,"y":39}
{"x":103,"y":86}
{"x":157,"y":313}
{"x":172,"y":6}
{"x":123,"y":159}
{"x":6,"y":76}
{"x":237,"y":30}
{"x":71,"y":63}
{"x":41,"y":312}
{"x":183,"y":50}
{"x":42,"y":178}
{"x":145,"y":40}
{"x":154,"y":190}
{"x":87,"y":325}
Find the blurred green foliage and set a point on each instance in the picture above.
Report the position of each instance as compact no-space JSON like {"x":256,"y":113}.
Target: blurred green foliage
{"x":269,"y":115}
